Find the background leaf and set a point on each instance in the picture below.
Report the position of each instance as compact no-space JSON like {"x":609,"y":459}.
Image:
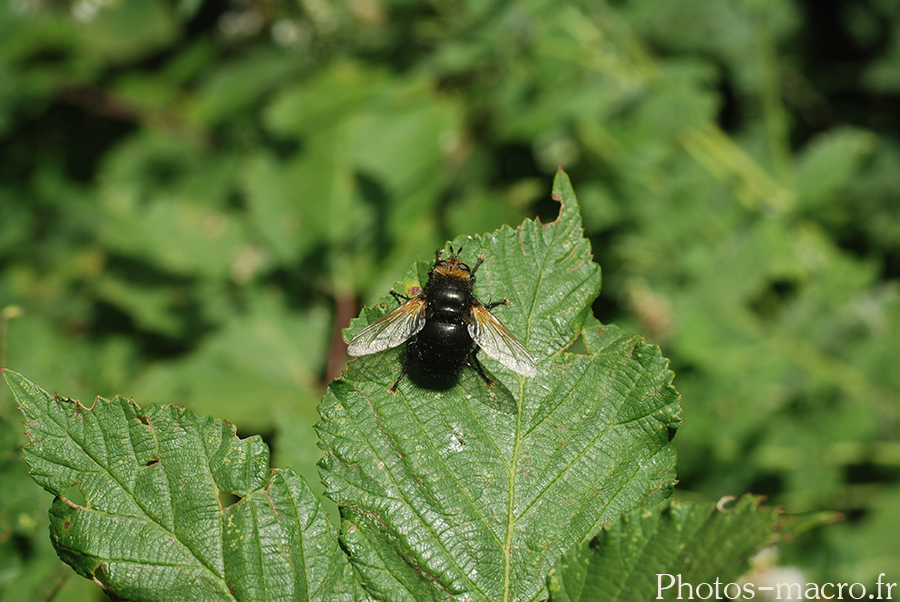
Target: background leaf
{"x":473,"y":492}
{"x":635,"y":554}
{"x":736,"y":163}
{"x":161,"y":504}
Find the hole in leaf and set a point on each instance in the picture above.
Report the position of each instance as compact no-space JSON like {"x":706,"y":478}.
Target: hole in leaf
{"x":100,"y":576}
{"x":671,"y":431}
{"x":227,"y":499}
{"x":144,"y":419}
{"x":74,"y":497}
{"x":578,"y":347}
{"x":151,"y":462}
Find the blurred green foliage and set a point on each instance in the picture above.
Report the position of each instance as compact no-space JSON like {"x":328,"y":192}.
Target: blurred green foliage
{"x":195,"y":195}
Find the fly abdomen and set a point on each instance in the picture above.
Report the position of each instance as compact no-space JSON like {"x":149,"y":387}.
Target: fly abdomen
{"x":442,"y":347}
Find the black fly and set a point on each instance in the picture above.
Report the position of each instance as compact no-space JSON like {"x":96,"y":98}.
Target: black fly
{"x":445,"y":326}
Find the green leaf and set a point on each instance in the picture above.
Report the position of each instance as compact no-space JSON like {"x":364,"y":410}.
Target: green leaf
{"x":829,"y":163}
{"x":175,"y":234}
{"x":267,"y":355}
{"x":110,"y":33}
{"x":474,"y":492}
{"x":24,"y":570}
{"x":636,"y":554}
{"x":142,"y":505}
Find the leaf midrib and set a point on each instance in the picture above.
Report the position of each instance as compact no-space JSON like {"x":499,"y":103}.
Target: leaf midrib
{"x":514,"y":463}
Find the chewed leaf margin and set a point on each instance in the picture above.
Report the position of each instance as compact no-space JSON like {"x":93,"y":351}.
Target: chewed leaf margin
{"x":174,"y":506}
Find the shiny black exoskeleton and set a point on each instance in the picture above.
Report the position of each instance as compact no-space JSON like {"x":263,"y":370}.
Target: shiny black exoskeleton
{"x":444,"y":344}
{"x":444,"y":327}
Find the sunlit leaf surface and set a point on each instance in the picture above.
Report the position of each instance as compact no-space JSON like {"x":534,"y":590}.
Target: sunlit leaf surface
{"x":472,"y":492}
{"x":648,"y":553}
{"x":160,"y":504}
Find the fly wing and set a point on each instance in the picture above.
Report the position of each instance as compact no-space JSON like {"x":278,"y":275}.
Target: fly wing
{"x":499,"y":343}
{"x":390,"y":329}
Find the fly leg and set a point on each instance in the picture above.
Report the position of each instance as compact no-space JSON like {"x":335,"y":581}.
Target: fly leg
{"x":399,"y":297}
{"x":491,"y":306}
{"x":393,"y":388}
{"x":478,"y":367}
{"x":478,"y":262}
